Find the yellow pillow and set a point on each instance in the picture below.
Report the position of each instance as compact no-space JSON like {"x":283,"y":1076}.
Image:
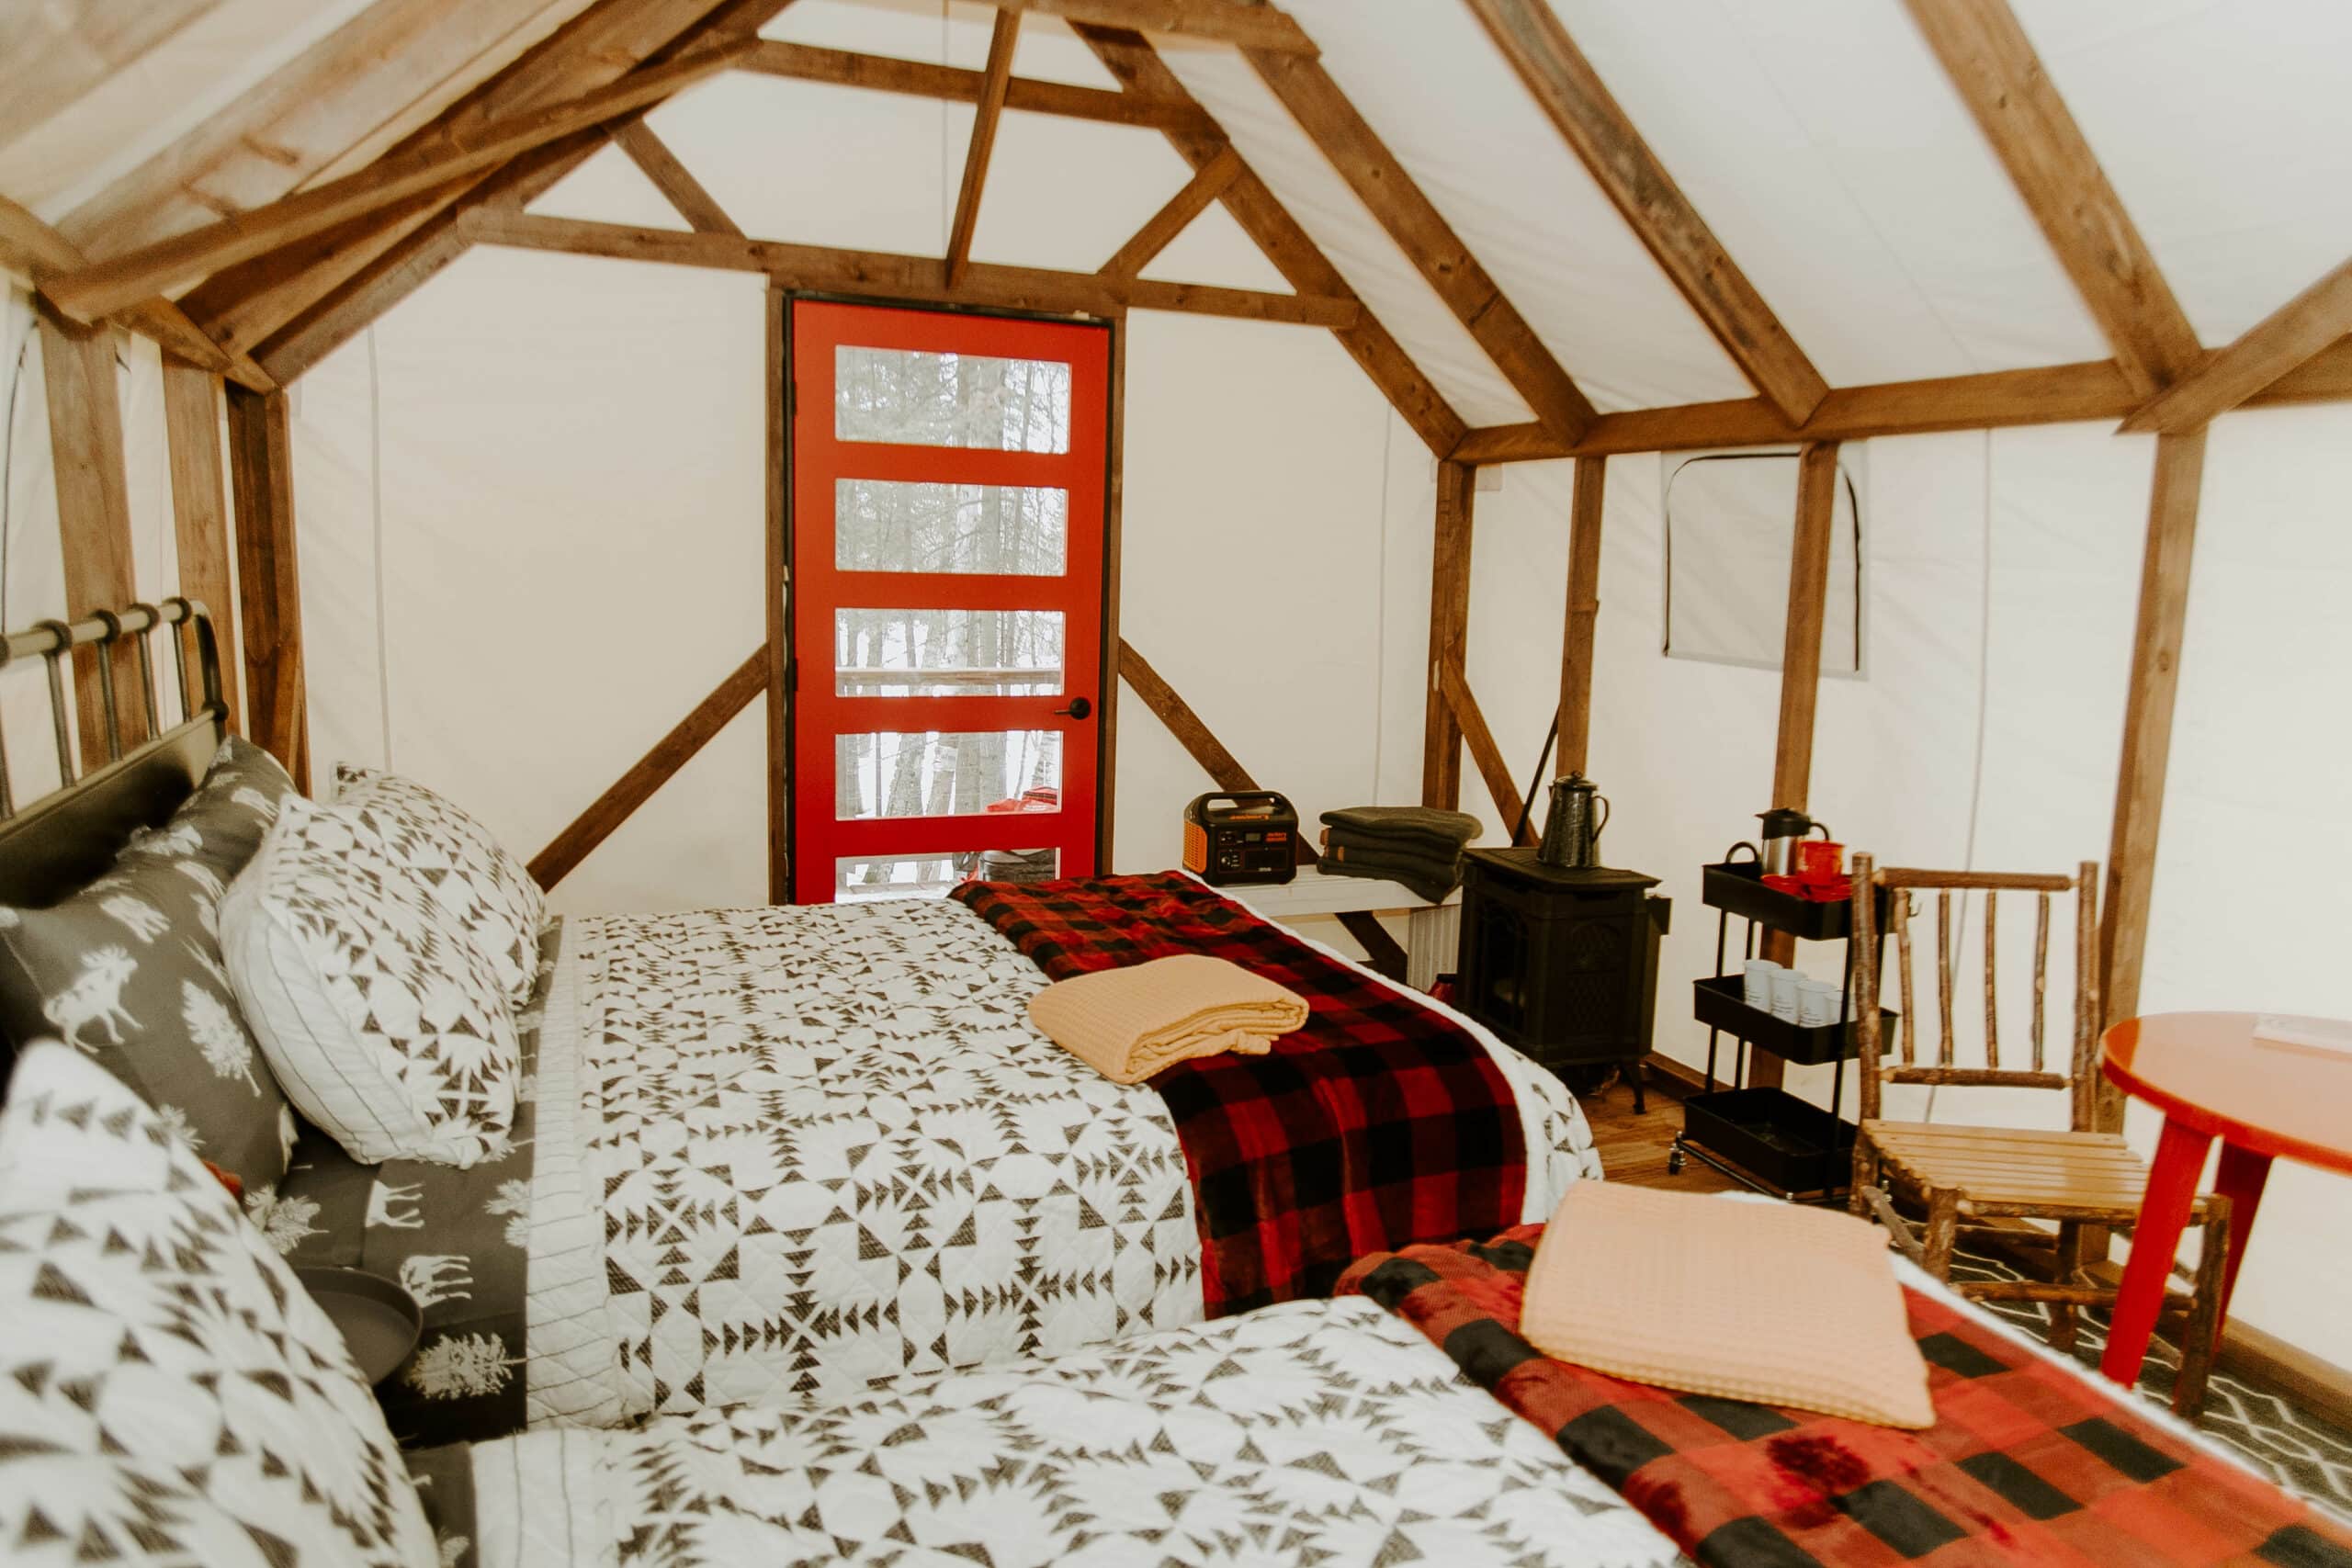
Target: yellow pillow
{"x":1767,"y":1302}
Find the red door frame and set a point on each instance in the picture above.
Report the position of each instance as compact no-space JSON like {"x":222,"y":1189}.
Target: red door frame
{"x":815,"y":459}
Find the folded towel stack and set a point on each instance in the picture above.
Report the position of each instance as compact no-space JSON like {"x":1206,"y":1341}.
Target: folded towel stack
{"x":1129,"y":1024}
{"x":1420,"y":846}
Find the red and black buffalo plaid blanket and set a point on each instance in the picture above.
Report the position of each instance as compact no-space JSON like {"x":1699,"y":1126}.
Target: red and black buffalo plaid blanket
{"x":1381,"y":1123}
{"x":2026,"y":1463}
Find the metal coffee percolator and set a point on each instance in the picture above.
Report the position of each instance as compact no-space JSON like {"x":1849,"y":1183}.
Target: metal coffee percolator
{"x":1572,"y":830}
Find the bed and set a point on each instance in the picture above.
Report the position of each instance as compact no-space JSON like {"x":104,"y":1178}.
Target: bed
{"x":797,"y":1152}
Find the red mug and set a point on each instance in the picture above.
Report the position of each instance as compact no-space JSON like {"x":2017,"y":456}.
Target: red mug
{"x":1820,"y":860}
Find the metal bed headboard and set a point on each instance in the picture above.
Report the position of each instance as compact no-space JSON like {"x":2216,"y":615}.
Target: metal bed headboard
{"x":70,"y":836}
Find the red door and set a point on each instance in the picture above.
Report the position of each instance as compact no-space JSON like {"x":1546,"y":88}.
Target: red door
{"x":947,"y":486}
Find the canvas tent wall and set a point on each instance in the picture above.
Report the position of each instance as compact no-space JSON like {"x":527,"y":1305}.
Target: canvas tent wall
{"x":529,"y":497}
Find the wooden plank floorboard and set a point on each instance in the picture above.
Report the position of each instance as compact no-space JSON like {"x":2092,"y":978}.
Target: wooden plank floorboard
{"x":1634,"y":1148}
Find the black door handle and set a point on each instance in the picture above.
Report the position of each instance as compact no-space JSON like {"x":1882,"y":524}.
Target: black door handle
{"x":1079,"y":708}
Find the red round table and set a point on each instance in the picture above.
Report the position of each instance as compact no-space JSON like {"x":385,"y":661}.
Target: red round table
{"x":2212,"y":1079}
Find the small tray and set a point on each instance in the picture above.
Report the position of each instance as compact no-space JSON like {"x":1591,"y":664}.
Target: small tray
{"x":379,"y":1321}
{"x":1789,"y":1142}
{"x":1738,"y":886}
{"x":1721,"y":1002}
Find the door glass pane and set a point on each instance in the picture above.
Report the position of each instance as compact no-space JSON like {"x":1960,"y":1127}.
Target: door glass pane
{"x":928,"y":774}
{"x":915,"y":399}
{"x":901,"y":525}
{"x":947,"y":653}
{"x":863,"y":879}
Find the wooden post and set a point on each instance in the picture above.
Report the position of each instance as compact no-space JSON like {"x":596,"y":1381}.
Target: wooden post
{"x":1106,"y":706}
{"x":1801,"y":672}
{"x":1448,"y":632}
{"x":93,"y":516}
{"x":2147,"y":734}
{"x":1584,"y":606}
{"x":200,"y":507}
{"x":269,"y":587}
{"x":779,"y":628}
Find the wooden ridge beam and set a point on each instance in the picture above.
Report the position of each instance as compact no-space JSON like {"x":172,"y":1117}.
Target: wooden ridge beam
{"x":1004,"y":37}
{"x":2281,"y":343}
{"x":38,"y":254}
{"x":649,"y":773}
{"x":1139,"y":70}
{"x":1518,"y":826}
{"x":1532,"y":39}
{"x":1993,"y":66}
{"x":251,"y":303}
{"x":672,"y":179}
{"x":1207,"y":183}
{"x":844,"y":68}
{"x":893,"y":275}
{"x":1249,"y":26}
{"x":107,"y":285}
{"x":1349,"y":143}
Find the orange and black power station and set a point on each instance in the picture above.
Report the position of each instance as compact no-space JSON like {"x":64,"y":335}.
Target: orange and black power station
{"x":1245,"y":836}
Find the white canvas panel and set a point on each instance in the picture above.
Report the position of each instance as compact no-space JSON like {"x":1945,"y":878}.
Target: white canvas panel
{"x":610,"y":188}
{"x":1766,"y":164}
{"x":32,"y":559}
{"x":1028,"y":218}
{"x":903,"y":29}
{"x":816,"y":165}
{"x":1523,"y":203}
{"x":347,"y":657}
{"x":1213,"y":248}
{"x":2227,"y":131}
{"x":1047,"y":49}
{"x":1392,"y":289}
{"x":2249,"y":911}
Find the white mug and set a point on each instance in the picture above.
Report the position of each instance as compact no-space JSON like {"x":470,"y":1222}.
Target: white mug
{"x":1786,"y":993}
{"x":1819,"y":1002}
{"x":1757,"y":982}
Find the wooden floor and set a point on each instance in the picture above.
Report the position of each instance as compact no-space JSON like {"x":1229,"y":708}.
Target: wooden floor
{"x":1634,"y":1148}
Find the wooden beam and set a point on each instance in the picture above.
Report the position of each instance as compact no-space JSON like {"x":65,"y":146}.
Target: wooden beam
{"x":53,"y":54}
{"x":93,"y":518}
{"x":249,"y":304}
{"x":1801,"y":674}
{"x":1222,"y":768}
{"x":1571,"y":93}
{"x":332,"y":107}
{"x":1107,"y":772}
{"x":104,"y":287}
{"x":1517,"y":825}
{"x":1584,"y":609}
{"x":1250,"y":24}
{"x":1001,"y":41}
{"x":842,"y":67}
{"x":776,"y":655}
{"x":671,"y":178}
{"x":887,"y":274}
{"x":192,"y":418}
{"x":1448,"y":632}
{"x":1139,"y":69}
{"x":2156,"y":647}
{"x":2325,"y":378}
{"x":36,"y":252}
{"x":650,"y":772}
{"x":1993,"y":66}
{"x":1207,"y":183}
{"x":269,"y":586}
{"x":2282,"y":342}
{"x":1352,"y":147}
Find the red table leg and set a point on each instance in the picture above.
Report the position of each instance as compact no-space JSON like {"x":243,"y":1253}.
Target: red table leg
{"x":2164,"y":1213}
{"x":2240,"y":1180}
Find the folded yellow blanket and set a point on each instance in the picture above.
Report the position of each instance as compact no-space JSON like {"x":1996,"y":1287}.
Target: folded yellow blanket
{"x":1129,"y":1024}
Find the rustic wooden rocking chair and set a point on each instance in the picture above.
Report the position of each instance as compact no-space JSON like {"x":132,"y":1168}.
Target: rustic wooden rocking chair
{"x":1963,"y":1176}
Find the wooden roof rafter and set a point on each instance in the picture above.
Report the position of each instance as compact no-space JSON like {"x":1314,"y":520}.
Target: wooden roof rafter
{"x":1004,"y":37}
{"x":885,"y":73}
{"x":1571,"y":93}
{"x":2289,"y":338}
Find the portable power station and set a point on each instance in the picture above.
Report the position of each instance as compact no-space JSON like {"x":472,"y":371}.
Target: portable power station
{"x":1248,"y":836}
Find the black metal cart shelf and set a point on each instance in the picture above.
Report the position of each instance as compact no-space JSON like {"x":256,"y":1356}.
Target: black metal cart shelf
{"x":1768,"y":1139}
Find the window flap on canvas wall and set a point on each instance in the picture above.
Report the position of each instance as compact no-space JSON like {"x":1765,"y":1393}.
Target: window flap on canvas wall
{"x":1730,"y":523}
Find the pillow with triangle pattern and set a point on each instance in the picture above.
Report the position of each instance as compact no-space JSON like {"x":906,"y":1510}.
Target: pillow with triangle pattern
{"x":168,"y":1392}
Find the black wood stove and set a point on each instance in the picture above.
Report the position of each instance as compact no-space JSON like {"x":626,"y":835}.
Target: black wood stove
{"x":1561,"y":962}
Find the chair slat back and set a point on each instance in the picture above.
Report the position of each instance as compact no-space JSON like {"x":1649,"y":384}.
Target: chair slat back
{"x":1900,"y":884}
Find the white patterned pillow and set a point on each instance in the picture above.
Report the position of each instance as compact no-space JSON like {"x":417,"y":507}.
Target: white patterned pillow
{"x":383,"y":1024}
{"x":168,"y":1394}
{"x":487,"y":891}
